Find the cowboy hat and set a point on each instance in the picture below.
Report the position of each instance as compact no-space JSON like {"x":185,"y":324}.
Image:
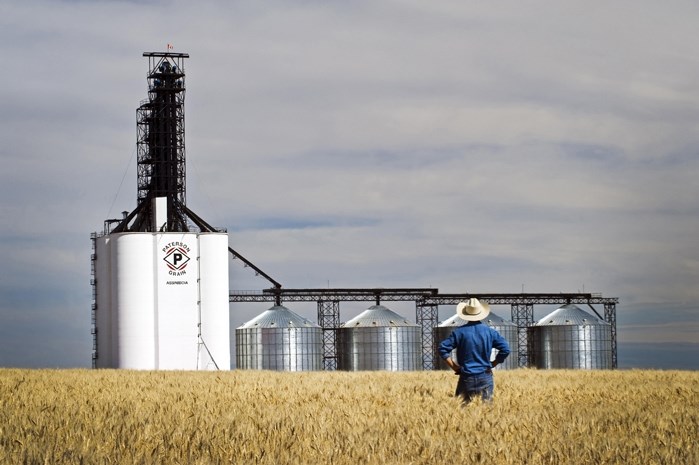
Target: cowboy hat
{"x":473,"y":310}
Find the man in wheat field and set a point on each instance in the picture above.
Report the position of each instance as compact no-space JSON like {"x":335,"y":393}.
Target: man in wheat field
{"x":474,"y":342}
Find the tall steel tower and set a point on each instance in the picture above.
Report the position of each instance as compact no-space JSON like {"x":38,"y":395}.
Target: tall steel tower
{"x":162,"y":187}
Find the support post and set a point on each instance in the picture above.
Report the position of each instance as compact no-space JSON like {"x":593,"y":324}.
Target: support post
{"x":329,"y":320}
{"x":523,"y":317}
{"x":610,"y":317}
{"x":93,"y":283}
{"x":426,"y":317}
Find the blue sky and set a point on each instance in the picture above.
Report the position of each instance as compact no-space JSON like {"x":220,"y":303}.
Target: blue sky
{"x":544,"y":146}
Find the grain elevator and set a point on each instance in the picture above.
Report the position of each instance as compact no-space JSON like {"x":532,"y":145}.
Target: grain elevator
{"x":160,"y":286}
{"x":160,"y":273}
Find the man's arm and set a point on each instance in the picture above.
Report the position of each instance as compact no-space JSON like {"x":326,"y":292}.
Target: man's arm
{"x":445,"y":348}
{"x":453,"y":365}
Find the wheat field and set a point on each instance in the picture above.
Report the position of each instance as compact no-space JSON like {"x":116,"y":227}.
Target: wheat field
{"x":256,"y":417}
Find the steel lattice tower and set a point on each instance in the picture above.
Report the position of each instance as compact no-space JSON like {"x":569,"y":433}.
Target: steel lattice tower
{"x":329,"y":320}
{"x":426,"y":317}
{"x":161,"y":171}
{"x":523,"y":317}
{"x":610,"y":317}
{"x":161,"y":149}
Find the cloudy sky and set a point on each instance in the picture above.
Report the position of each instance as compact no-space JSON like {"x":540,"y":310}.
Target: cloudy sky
{"x":534,"y":146}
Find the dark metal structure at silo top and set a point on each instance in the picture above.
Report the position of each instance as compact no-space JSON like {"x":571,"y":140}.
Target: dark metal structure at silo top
{"x":161,"y":164}
{"x":570,"y":338}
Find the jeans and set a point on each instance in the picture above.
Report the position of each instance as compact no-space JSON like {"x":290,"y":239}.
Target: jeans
{"x":470,"y":386}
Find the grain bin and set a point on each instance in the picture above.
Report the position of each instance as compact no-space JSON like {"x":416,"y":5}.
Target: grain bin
{"x":279,"y":339}
{"x":570,"y":338}
{"x":507,"y":330}
{"x":379,"y":339}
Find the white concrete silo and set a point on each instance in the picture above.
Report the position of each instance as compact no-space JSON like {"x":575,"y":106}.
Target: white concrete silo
{"x":162,"y":301}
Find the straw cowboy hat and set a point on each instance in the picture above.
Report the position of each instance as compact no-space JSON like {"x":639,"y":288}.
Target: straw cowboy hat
{"x":473,"y":310}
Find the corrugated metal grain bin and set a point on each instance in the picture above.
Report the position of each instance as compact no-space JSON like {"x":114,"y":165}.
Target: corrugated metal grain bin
{"x":379,"y":339}
{"x":570,"y":338}
{"x":279,"y":339}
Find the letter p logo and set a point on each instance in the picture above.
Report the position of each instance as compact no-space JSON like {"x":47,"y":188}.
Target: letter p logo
{"x":176,"y":258}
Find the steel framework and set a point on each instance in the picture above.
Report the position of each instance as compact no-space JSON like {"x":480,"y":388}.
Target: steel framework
{"x":161,"y":163}
{"x":427,"y":317}
{"x":427,"y":301}
{"x":161,"y":149}
{"x":523,"y":317}
{"x":610,"y":317}
{"x":160,"y":142}
{"x":93,"y":284}
{"x":329,"y":320}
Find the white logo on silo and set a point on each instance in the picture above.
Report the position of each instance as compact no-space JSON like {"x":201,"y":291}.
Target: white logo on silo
{"x":176,"y":258}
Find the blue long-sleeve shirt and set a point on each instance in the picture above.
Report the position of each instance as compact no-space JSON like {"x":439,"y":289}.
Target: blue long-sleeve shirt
{"x":474,"y":342}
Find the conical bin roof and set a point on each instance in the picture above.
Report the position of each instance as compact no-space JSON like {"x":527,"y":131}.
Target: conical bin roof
{"x":278,"y":317}
{"x":570,"y":315}
{"x":377,"y":316}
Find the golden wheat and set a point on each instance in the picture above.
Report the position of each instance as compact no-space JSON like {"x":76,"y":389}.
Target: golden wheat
{"x":240,"y":417}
